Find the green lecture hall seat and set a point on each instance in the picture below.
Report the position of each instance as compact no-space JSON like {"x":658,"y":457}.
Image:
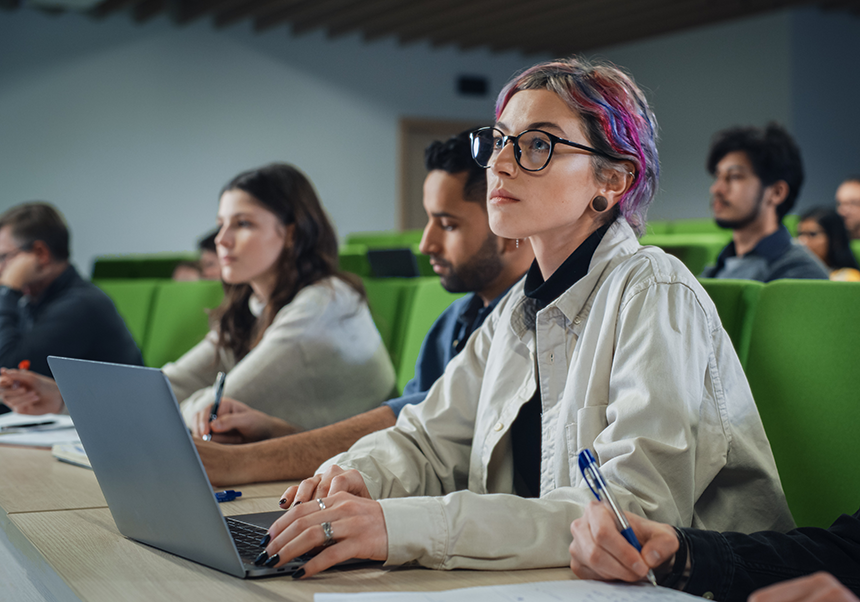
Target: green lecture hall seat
{"x":133,"y":299}
{"x":736,"y":303}
{"x":429,"y":300}
{"x":696,"y":251}
{"x":388,"y":299}
{"x":179,"y":320}
{"x":802,"y":368}
{"x":154,"y":265}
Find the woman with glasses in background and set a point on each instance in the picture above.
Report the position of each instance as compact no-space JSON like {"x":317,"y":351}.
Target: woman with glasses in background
{"x":605,"y":344}
{"x":822,"y":231}
{"x":293,"y":334}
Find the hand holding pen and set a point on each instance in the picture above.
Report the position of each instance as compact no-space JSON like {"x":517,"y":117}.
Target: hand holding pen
{"x":601,"y":490}
{"x":219,"y":392}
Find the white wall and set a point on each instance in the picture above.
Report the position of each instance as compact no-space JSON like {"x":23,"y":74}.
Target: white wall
{"x":825,"y":89}
{"x":132,"y":130}
{"x":700,"y":82}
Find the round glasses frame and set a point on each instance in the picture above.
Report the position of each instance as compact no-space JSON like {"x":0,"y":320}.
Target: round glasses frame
{"x":476,"y":137}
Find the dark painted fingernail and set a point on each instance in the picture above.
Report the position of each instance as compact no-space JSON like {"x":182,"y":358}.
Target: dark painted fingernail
{"x":282,"y":502}
{"x":259,"y":560}
{"x":273,"y":560}
{"x":265,"y":541}
{"x":299,"y":574}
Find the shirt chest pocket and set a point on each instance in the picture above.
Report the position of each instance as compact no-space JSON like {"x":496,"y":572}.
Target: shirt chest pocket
{"x":590,"y":422}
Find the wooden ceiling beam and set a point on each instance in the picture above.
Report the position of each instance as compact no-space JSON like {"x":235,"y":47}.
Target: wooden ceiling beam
{"x":390,"y":21}
{"x":309,"y":10}
{"x":247,"y":8}
{"x":439,"y":16}
{"x":521,"y":19}
{"x":108,"y":7}
{"x":354,"y":19}
{"x":147,"y":9}
{"x":667,"y":21}
{"x":564,"y":19}
{"x":186,"y":11}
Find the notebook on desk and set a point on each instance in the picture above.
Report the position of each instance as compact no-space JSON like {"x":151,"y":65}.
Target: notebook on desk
{"x":149,"y":470}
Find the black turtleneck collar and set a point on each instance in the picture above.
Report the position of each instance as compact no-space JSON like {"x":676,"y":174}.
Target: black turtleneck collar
{"x":567,"y":274}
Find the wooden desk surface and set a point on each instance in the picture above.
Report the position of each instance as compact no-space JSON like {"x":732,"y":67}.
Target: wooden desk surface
{"x":57,"y":518}
{"x":32,"y":480}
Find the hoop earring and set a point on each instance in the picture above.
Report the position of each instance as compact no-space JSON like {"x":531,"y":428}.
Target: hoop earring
{"x":599,"y":204}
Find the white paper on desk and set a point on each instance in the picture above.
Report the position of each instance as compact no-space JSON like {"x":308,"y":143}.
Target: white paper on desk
{"x":62,"y":431}
{"x":543,"y":591}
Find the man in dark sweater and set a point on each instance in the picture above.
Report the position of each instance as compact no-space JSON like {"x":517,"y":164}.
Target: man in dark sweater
{"x":757,"y":176}
{"x":46,"y":308}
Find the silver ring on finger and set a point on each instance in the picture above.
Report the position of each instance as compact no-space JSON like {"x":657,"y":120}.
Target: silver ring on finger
{"x":329,"y":534}
{"x":321,"y":503}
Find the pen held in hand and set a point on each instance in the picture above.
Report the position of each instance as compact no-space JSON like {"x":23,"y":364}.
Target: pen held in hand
{"x":219,"y":391}
{"x":600,"y":489}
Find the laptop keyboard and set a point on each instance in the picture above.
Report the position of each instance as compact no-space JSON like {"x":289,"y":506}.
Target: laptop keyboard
{"x":248,"y":538}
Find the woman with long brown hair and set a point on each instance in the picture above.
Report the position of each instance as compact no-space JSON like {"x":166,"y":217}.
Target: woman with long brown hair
{"x":293,"y":334}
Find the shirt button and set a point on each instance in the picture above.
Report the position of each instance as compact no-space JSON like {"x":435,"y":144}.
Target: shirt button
{"x":577,"y":320}
{"x":455,"y":343}
{"x":708,"y":595}
{"x":499,"y":426}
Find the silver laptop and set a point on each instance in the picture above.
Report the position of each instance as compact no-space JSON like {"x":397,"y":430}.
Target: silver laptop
{"x":149,"y":470}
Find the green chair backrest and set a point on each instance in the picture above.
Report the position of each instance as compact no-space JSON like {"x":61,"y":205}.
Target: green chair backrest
{"x":802,"y":368}
{"x":736,"y":303}
{"x":696,"y":251}
{"x":791,"y":222}
{"x":353,"y":258}
{"x":179,"y":319}
{"x":695,"y":226}
{"x":389,"y":299}
{"x":156,"y":265}
{"x":428,"y":301}
{"x":855,"y":248}
{"x":658,"y":227}
{"x":133,"y":299}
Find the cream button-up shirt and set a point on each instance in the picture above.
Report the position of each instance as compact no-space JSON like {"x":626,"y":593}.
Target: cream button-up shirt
{"x":320,"y":361}
{"x":632,"y":362}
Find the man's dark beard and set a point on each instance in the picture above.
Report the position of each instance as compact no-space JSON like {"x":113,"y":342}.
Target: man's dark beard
{"x":738,"y":224}
{"x":476,"y":274}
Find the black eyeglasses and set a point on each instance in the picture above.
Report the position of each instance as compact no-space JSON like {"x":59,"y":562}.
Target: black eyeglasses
{"x":532,"y":148}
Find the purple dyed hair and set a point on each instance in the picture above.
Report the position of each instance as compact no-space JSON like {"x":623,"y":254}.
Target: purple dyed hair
{"x":617,"y":120}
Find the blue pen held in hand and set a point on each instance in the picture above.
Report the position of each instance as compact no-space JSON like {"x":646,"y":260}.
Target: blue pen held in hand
{"x":598,"y":486}
{"x":219,"y":391}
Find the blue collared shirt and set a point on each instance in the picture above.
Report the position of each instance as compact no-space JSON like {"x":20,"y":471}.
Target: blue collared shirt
{"x":445,"y":339}
{"x":775,"y":256}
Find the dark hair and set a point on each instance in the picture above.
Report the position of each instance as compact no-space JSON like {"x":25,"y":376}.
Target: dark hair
{"x":38,"y":220}
{"x":855,"y":178}
{"x":454,"y":156}
{"x":312,"y":256}
{"x":839,"y":253}
{"x":773,"y":153}
{"x":207,"y":243}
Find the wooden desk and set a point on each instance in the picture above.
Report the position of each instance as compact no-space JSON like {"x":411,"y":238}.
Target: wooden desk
{"x":56,"y":520}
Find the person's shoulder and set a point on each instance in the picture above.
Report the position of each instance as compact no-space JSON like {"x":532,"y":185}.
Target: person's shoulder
{"x":798,"y":262}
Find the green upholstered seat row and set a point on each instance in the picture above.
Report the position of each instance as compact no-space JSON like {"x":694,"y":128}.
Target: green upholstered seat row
{"x":797,"y":341}
{"x":353,"y":258}
{"x":704,"y":226}
{"x":404,"y":309}
{"x":165,"y":318}
{"x":154,"y":265}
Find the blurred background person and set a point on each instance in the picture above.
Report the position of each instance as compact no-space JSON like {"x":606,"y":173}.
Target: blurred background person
{"x":822,"y":231}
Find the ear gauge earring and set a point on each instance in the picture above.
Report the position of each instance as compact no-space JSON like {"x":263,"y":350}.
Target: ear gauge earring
{"x":599,"y":204}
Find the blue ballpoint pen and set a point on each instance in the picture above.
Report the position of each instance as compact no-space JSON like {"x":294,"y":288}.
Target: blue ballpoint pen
{"x":219,"y":391}
{"x":598,"y":486}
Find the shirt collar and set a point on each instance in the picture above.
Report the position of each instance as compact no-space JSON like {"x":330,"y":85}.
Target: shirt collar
{"x":771,"y":247}
{"x":567,"y":274}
